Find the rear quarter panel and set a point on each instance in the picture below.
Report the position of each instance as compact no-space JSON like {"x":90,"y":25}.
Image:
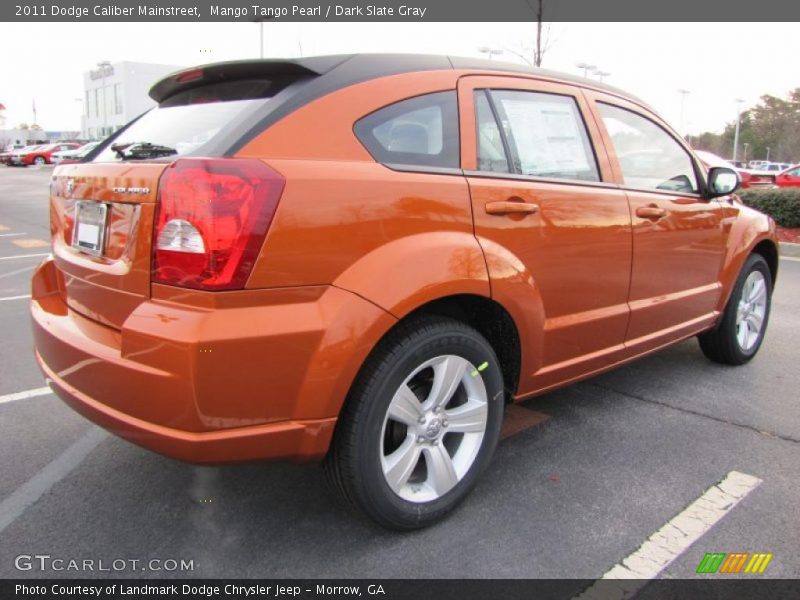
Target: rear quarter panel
{"x":397,"y":238}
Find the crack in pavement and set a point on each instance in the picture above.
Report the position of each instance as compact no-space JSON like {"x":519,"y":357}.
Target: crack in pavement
{"x":694,"y":412}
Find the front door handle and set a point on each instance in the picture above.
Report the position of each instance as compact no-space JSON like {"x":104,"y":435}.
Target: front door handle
{"x":508,"y":207}
{"x":650,"y":212}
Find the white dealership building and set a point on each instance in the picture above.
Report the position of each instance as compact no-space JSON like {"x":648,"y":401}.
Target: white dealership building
{"x":115,"y":93}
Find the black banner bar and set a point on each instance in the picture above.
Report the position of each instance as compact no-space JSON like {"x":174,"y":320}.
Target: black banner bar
{"x":711,"y":11}
{"x":707,"y":588}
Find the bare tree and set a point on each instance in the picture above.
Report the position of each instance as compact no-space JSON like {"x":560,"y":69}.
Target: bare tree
{"x":538,"y":53}
{"x":542,"y":41}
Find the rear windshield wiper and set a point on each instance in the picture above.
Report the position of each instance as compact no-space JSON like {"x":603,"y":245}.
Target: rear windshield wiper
{"x":141,"y":150}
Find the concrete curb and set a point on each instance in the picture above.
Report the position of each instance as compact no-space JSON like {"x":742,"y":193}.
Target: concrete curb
{"x":789,"y":249}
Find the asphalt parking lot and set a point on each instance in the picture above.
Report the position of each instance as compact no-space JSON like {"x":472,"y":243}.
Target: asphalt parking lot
{"x":617,"y":457}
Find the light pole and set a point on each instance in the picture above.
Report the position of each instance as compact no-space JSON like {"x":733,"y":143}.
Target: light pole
{"x":767,"y":153}
{"x":736,"y":131}
{"x":260,"y":22}
{"x":586,"y":68}
{"x":601,"y":74}
{"x":683,"y":94}
{"x":744,"y":159}
{"x":104,"y":65}
{"x":490,"y":51}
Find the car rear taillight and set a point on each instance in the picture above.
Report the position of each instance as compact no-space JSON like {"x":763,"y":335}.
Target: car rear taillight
{"x":211,"y":220}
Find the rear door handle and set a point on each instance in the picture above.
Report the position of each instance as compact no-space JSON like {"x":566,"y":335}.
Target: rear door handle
{"x":650,"y":212}
{"x":508,"y":207}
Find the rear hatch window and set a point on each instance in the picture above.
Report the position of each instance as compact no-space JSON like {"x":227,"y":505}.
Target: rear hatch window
{"x":189,"y":122}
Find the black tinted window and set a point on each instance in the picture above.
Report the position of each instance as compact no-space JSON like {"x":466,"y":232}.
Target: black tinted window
{"x":420,"y":131}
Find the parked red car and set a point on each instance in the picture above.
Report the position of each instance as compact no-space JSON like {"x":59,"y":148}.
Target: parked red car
{"x":41,"y":155}
{"x":788,"y":178}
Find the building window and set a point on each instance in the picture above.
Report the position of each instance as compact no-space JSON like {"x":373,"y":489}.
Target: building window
{"x":117,"y":99}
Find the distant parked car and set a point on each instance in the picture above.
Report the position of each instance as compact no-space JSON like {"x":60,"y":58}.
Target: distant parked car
{"x":712,"y":160}
{"x":40,"y":155}
{"x":15,"y":156}
{"x":774,"y":167}
{"x":789,"y":177}
{"x":72,"y":155}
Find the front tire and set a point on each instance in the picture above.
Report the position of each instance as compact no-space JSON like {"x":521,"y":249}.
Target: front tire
{"x":40,"y":161}
{"x":420,"y":424}
{"x":741,"y":331}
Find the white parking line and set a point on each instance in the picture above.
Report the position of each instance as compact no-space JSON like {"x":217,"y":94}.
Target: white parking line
{"x":42,"y":391}
{"x":15,"y":298}
{"x":38,"y":485}
{"x":24,"y":256}
{"x":673,"y":539}
{"x":12,"y":234}
{"x":18,"y":271}
{"x":791,"y":258}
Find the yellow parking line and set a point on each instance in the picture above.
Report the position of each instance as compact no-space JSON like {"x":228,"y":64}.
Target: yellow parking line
{"x":30,"y":243}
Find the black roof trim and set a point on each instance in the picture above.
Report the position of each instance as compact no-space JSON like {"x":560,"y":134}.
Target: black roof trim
{"x":483,"y":64}
{"x":243,"y":69}
{"x":320,"y":75}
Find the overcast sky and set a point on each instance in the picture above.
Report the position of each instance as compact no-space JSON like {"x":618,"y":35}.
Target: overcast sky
{"x":716,"y":62}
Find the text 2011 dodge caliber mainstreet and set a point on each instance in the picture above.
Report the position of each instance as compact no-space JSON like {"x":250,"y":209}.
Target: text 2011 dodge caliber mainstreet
{"x":361,"y":259}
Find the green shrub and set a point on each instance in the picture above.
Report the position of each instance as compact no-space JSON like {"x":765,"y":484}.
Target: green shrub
{"x":782,"y":204}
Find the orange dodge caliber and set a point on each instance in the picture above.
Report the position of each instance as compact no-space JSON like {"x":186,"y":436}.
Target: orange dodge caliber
{"x":361,"y":259}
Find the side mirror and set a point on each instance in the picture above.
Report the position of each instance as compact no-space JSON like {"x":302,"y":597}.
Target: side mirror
{"x":722,"y":181}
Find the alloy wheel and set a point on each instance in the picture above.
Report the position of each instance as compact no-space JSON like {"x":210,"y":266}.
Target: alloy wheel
{"x":433,"y":428}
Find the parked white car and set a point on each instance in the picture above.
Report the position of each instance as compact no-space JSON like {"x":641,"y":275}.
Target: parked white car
{"x":75,"y":153}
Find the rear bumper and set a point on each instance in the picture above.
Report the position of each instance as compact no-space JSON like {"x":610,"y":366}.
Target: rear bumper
{"x":288,"y":440}
{"x":210,"y":386}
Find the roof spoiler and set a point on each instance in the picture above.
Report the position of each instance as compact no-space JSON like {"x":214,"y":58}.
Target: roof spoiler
{"x":242,"y":69}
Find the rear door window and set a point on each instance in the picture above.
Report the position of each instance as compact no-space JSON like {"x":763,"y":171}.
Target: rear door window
{"x":420,"y":131}
{"x":492,"y":155}
{"x":545,"y":134}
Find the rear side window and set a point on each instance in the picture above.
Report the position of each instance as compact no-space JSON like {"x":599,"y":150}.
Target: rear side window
{"x":649,"y":157}
{"x":545,"y":134}
{"x":420,"y":131}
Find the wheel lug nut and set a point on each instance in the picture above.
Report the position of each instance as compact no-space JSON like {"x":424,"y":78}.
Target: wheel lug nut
{"x":421,"y":420}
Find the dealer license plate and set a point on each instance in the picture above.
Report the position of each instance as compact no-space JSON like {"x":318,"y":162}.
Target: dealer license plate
{"x":90,"y":227}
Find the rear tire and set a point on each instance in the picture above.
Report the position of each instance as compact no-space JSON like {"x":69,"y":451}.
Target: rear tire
{"x":740,"y":332}
{"x":40,"y":161}
{"x":420,"y":424}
